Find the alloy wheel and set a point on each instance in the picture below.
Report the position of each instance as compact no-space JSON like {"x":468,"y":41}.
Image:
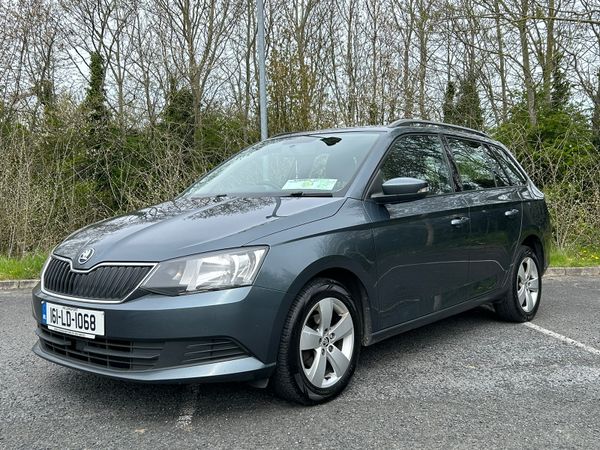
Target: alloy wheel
{"x":528,"y":284}
{"x":326,"y":342}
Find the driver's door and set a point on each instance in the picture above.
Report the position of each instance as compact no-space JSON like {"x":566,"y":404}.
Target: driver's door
{"x":422,"y":261}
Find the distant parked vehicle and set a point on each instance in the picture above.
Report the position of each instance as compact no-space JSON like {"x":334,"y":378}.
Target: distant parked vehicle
{"x":287,"y":258}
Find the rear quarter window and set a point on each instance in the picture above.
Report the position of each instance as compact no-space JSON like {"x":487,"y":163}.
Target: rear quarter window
{"x":511,"y":169}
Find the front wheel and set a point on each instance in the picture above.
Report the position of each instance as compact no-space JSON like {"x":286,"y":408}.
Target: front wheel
{"x":320,"y":344}
{"x":523,"y":298}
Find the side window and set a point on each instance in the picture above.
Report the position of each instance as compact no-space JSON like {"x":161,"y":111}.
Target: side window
{"x":499,"y":173}
{"x":418,"y":157}
{"x":513,"y":172}
{"x":477,"y":169}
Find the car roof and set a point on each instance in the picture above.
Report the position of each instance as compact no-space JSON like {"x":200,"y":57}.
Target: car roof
{"x":376,"y":128}
{"x":403,"y":126}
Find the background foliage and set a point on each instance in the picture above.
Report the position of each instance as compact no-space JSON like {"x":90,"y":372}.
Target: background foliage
{"x":108,"y":106}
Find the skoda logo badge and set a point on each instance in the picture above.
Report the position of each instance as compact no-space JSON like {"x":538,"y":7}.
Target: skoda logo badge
{"x":85,"y":255}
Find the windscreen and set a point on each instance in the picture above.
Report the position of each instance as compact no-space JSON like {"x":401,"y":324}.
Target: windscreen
{"x":310,"y":164}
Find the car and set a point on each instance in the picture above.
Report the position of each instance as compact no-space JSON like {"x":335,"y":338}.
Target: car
{"x":277,"y":266}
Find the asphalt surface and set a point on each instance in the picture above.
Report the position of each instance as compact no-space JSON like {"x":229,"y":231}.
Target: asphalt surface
{"x":466,"y":382}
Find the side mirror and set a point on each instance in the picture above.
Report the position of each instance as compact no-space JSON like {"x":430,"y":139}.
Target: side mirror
{"x":402,"y":189}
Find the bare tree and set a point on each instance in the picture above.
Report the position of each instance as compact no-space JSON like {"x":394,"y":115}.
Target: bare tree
{"x":196,"y":35}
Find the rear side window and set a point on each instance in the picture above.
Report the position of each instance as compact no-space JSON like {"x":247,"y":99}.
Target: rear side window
{"x":477,"y":168}
{"x":513,"y":172}
{"x":419,"y":157}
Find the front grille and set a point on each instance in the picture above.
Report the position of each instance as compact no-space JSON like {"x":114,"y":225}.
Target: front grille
{"x":108,"y":283}
{"x":138,"y":355}
{"x":212,"y":350}
{"x":111,"y":354}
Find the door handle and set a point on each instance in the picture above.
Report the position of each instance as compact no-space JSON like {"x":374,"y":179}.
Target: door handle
{"x":511,"y":213}
{"x":459,"y":221}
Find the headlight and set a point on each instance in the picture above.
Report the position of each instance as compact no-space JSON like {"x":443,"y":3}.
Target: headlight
{"x":210,"y":271}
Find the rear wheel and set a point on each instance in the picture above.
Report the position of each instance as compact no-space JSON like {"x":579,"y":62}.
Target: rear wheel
{"x":523,"y":299}
{"x":320,"y":344}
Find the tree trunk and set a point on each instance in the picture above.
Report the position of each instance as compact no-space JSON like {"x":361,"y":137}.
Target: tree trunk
{"x":527,"y":76}
{"x":501,"y":62}
{"x":550,"y":58}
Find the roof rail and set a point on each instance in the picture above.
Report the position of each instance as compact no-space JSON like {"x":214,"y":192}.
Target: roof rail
{"x":428,"y":123}
{"x":285,"y":133}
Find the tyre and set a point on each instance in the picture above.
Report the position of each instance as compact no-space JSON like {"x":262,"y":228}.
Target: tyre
{"x":523,"y":298}
{"x":320,"y":344}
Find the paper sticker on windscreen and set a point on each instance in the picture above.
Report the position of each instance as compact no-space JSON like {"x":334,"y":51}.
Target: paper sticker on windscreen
{"x":319,"y":184}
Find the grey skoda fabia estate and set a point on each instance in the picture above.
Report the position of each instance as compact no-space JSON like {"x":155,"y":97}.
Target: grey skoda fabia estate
{"x":281,"y":263}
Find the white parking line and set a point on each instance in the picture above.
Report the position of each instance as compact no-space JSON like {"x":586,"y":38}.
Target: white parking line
{"x":186,"y":413}
{"x":560,"y":337}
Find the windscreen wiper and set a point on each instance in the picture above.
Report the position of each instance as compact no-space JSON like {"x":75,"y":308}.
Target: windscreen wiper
{"x":308,"y":194}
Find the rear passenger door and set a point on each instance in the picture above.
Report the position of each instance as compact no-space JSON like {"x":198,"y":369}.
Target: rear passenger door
{"x":421,"y":245}
{"x":495,"y":207}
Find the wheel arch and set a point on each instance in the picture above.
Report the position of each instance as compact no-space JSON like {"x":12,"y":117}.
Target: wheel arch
{"x":534,"y":242}
{"x":358,"y":291}
{"x":343,"y":270}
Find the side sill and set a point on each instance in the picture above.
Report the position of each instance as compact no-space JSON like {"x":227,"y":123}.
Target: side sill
{"x":430,"y":318}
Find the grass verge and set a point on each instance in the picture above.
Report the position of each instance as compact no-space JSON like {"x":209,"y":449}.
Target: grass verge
{"x":578,"y":257}
{"x":25,"y":268}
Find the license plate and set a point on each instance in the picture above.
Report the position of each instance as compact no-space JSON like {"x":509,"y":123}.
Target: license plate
{"x":76,"y":321}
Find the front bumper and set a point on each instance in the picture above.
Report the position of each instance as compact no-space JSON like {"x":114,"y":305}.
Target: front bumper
{"x":166,"y":330}
{"x":243,"y":369}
